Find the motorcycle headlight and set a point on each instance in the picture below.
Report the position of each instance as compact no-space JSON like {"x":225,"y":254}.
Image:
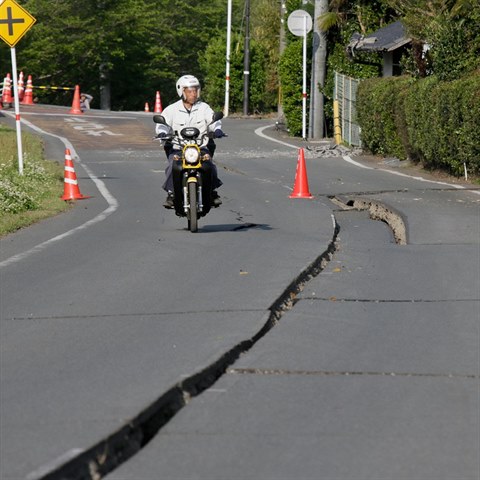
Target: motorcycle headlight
{"x":191,"y":154}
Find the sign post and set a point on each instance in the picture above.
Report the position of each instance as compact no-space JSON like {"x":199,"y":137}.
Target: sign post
{"x":15,"y":21}
{"x":300,"y":23}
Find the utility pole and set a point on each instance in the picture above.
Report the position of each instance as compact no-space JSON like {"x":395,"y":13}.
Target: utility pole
{"x":246,"y":59}
{"x":103,"y":69}
{"x":283,"y":44}
{"x":319,"y":67}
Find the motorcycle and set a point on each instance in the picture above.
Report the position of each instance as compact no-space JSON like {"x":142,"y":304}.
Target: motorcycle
{"x":192,"y":172}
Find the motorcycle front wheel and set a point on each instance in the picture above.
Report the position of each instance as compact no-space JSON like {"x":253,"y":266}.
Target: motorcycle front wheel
{"x":192,"y":214}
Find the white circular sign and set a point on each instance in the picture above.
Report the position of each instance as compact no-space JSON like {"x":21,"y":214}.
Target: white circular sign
{"x":299,"y":23}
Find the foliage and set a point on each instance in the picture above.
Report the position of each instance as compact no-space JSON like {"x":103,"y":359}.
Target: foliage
{"x":291,"y":73}
{"x":450,"y":30}
{"x":265,"y":31}
{"x":379,"y":114}
{"x":343,"y":19}
{"x":446,"y":137}
{"x":290,"y":70}
{"x":131,"y":47}
{"x":430,"y":121}
{"x":455,"y":44}
{"x":213,"y":67}
{"x":33,"y":195}
{"x":263,"y":81}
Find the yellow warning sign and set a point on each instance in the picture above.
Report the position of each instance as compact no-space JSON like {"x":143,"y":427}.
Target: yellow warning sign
{"x":15,"y":21}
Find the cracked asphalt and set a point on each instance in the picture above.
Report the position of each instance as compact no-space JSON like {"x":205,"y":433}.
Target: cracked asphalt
{"x":373,"y":374}
{"x":342,"y":353}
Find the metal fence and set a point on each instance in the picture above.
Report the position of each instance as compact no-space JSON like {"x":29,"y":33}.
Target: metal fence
{"x":346,"y":94}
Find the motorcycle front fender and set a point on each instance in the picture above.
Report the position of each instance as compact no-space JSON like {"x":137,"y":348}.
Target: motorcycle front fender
{"x":203,"y":176}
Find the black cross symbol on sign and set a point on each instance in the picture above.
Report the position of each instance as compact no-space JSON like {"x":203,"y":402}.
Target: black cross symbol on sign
{"x":10,"y":20}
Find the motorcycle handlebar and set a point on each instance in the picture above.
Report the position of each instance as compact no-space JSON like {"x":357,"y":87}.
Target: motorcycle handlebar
{"x":165,"y":137}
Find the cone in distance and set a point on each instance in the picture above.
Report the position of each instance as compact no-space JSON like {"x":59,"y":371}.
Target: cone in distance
{"x":7,"y":99}
{"x":71,"y":191}
{"x":300,"y":189}
{"x":28,"y":95}
{"x":21,"y":86}
{"x":158,"y":104}
{"x":147,"y":108}
{"x":76,"y":109}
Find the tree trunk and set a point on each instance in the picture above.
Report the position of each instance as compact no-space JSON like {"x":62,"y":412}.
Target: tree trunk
{"x":105,"y":93}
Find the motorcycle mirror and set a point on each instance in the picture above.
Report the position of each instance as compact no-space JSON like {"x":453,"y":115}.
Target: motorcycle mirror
{"x":217,"y":116}
{"x":159,"y":119}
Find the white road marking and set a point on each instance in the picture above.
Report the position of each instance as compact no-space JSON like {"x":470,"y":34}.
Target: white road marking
{"x":353,"y":162}
{"x":90,"y":128}
{"x":259,"y":132}
{"x":111,"y":200}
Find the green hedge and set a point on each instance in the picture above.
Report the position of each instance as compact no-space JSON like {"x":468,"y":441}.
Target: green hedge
{"x":291,"y":73}
{"x":428,"y":121}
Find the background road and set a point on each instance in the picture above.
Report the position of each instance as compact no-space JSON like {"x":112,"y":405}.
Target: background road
{"x":338,"y":352}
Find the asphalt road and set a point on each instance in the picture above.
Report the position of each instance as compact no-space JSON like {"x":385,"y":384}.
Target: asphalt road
{"x":288,"y":338}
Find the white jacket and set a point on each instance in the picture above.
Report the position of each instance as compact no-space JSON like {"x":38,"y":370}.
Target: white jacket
{"x":178,"y":117}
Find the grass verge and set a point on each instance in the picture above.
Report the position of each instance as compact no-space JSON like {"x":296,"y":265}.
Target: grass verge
{"x":33,"y":196}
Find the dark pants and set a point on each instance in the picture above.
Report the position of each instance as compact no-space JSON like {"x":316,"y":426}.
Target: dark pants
{"x":171,"y":154}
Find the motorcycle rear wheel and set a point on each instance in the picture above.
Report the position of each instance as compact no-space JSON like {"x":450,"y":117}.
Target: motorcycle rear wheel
{"x":192,"y":199}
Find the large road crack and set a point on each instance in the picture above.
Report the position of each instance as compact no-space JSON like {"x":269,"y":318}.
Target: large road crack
{"x":110,"y":452}
{"x":377,"y":211}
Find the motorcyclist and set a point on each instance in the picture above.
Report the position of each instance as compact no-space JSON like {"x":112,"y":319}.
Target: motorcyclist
{"x":189,"y":111}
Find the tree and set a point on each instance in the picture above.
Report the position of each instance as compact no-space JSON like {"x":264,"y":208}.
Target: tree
{"x":213,"y":68}
{"x":71,"y":45}
{"x":265,"y":31}
{"x":128,"y":47}
{"x":343,"y":18}
{"x":448,"y":29}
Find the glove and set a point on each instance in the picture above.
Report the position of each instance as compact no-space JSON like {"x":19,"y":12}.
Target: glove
{"x":219,"y":133}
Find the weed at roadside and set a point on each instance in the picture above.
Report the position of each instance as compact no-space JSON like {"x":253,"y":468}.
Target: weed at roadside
{"x":35,"y":195}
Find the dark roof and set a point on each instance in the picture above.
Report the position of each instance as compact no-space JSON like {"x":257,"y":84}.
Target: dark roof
{"x":385,"y":39}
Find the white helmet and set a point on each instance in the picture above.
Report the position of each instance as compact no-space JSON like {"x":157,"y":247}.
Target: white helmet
{"x":185,"y":82}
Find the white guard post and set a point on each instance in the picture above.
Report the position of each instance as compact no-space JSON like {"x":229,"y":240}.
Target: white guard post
{"x":17,"y":112}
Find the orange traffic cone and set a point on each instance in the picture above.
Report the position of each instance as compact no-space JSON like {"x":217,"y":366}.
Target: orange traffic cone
{"x":21,"y":87}
{"x":158,"y":104}
{"x":147,"y":108}
{"x":300,"y":189}
{"x":71,"y":191}
{"x":76,"y":109}
{"x":7,"y":99}
{"x":28,"y":97}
